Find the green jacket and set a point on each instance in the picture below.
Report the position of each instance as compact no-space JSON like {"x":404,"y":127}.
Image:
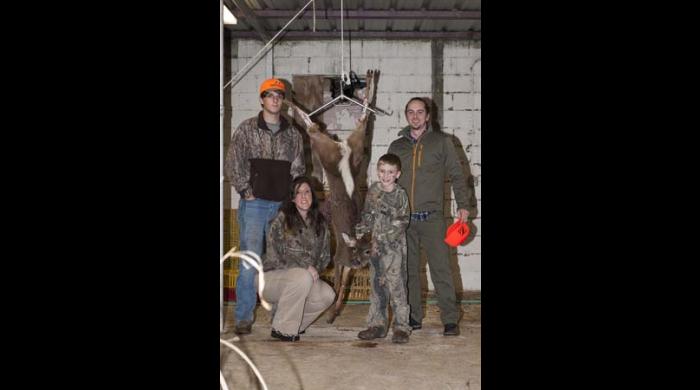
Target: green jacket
{"x":425,"y":165}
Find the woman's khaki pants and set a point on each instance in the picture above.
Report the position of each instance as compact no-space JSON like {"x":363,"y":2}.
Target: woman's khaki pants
{"x":299,"y":300}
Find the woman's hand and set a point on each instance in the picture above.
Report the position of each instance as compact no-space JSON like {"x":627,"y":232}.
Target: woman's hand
{"x":313,"y":272}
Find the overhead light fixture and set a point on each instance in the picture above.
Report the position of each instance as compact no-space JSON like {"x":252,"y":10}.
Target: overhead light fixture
{"x":228,"y":16}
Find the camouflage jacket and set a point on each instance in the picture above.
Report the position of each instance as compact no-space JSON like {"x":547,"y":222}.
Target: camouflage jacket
{"x":286,"y":249}
{"x":385,"y":214}
{"x":253,"y":140}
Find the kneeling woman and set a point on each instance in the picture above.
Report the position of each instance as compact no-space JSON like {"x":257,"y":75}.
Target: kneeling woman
{"x":298,"y":250}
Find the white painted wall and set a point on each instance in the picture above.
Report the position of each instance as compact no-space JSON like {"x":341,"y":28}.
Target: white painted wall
{"x":406,"y":71}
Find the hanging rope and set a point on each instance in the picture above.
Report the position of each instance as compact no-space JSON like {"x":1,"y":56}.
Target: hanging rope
{"x":343,"y":75}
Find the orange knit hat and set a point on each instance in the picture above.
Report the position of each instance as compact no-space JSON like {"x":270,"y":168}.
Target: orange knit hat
{"x":272,"y":84}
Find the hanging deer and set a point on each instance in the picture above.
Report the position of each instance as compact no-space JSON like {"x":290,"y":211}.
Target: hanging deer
{"x":341,"y":161}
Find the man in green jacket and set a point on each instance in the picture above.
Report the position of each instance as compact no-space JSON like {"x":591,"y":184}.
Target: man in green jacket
{"x":428,"y":157}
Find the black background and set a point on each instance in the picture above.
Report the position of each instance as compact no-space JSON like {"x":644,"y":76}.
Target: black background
{"x":116,"y":110}
{"x":116,"y":196}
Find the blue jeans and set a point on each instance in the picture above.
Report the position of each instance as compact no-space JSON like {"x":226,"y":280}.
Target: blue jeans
{"x":253,"y":221}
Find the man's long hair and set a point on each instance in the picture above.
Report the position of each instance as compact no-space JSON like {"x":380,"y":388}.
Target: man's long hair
{"x":293,"y":222}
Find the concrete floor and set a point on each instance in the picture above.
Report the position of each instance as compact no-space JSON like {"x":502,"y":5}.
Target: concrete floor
{"x":330,"y":356}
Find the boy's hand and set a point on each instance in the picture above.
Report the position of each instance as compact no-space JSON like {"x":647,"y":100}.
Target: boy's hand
{"x":374,"y":249}
{"x":360,"y":231}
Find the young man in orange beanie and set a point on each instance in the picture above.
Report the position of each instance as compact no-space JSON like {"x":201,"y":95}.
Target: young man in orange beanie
{"x":265,"y":154}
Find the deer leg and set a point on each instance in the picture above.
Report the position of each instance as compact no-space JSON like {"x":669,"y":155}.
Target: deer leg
{"x":337,"y":282}
{"x":340,"y":292}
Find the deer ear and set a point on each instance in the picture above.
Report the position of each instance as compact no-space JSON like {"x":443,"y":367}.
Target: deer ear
{"x":348,"y":241}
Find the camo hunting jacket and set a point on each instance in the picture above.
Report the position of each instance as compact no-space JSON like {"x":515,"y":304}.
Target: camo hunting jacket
{"x":253,"y":140}
{"x":386,"y":215}
{"x":298,"y":249}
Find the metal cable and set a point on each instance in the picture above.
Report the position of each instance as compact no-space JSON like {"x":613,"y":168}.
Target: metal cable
{"x":342,"y":47}
{"x":255,"y":59}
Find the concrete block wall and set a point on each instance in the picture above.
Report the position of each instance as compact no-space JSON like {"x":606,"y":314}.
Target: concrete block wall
{"x":408,"y":69}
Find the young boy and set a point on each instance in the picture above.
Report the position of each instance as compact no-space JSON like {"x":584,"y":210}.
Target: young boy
{"x":386,"y":215}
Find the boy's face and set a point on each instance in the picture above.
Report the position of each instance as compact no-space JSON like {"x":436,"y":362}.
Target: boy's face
{"x":387,"y":175}
{"x":272,"y":101}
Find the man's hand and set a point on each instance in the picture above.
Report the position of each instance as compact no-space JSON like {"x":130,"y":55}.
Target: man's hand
{"x":462,"y":215}
{"x":313,"y":272}
{"x":247,"y":194}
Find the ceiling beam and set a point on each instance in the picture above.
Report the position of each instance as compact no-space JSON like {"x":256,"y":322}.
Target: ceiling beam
{"x":242,"y":12}
{"x":368,"y":14}
{"x":310,"y":35}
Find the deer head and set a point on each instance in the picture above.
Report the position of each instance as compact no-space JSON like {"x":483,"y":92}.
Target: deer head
{"x":360,"y":249}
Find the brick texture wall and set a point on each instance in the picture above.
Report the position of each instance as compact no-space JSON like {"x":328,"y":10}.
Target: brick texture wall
{"x":408,"y":69}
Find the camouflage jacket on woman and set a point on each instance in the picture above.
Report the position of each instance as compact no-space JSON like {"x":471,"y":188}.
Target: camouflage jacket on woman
{"x":296,"y":249}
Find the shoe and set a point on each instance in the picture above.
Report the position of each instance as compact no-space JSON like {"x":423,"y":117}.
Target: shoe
{"x":243,"y":327}
{"x":283,"y":336}
{"x":399,"y":337}
{"x":451,"y":330}
{"x":373,"y":332}
{"x":414,"y":324}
